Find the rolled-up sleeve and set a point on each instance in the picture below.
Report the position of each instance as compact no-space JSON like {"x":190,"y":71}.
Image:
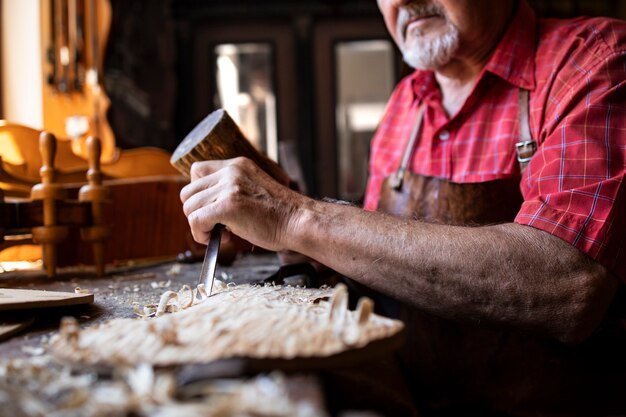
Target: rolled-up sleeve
{"x":574,"y":185}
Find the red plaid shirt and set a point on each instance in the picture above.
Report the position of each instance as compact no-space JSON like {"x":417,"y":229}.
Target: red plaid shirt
{"x":574,"y":185}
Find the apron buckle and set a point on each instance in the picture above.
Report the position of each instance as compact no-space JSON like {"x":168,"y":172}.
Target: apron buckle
{"x":525,"y":150}
{"x":396,"y":179}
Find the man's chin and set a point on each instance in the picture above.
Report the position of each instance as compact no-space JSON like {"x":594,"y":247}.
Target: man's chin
{"x":432,"y":55}
{"x":424,"y":63}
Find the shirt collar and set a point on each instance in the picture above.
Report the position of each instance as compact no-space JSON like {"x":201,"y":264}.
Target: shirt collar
{"x":513,"y":59}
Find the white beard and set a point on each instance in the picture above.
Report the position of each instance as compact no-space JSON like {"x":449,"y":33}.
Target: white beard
{"x":430,"y":55}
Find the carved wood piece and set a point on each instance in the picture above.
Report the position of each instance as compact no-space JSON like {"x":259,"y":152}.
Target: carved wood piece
{"x":269,"y":323}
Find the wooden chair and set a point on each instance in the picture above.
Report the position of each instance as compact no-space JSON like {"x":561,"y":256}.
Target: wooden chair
{"x":20,"y":161}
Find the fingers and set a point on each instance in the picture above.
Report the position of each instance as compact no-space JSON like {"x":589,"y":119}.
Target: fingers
{"x":202,"y":177}
{"x":204,"y":168}
{"x":200,"y":199}
{"x":200,"y":224}
{"x":207,"y":174}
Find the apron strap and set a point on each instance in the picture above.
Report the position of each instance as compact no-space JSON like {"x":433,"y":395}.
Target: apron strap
{"x":397,"y":177}
{"x":526,"y":147}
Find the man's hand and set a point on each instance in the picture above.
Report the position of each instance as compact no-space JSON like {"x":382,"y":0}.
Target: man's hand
{"x":238,"y":194}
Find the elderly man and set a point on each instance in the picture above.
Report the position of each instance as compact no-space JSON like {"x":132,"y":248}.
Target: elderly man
{"x":499,"y":166}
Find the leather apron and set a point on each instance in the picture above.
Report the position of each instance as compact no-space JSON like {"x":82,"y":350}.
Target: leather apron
{"x":462,"y":368}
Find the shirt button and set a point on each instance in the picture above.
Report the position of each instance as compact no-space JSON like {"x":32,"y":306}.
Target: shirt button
{"x":444,"y":135}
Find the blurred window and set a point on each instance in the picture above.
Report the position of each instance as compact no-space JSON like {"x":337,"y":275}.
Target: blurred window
{"x":245,"y":89}
{"x":365,"y":77}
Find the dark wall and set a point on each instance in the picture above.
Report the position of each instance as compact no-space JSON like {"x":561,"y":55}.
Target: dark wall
{"x":148,"y":65}
{"x":140,"y":73}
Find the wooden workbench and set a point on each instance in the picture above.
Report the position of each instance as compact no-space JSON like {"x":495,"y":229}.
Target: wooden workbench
{"x":115,"y":293}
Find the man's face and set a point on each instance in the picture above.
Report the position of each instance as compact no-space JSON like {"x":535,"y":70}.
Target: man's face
{"x":430,"y":32}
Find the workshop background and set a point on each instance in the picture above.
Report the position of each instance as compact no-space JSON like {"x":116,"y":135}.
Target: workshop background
{"x":306,"y":80}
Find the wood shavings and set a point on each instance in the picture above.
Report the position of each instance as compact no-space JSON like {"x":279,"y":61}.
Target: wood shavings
{"x":164,"y":302}
{"x":79,"y":290}
{"x":146,"y":311}
{"x":171,"y":301}
{"x":239,"y":321}
{"x":201,"y":291}
{"x":43,"y":386}
{"x":185,"y":297}
{"x":364,"y":310}
{"x":33,"y":350}
{"x":161,"y":284}
{"x":165,"y":331}
{"x":174,"y":270}
{"x":150,"y":386}
{"x":70,"y":330}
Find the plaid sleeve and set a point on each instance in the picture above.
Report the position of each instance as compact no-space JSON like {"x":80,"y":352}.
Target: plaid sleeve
{"x":574,"y":185}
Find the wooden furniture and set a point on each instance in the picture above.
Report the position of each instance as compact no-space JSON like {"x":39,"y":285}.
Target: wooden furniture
{"x":146,"y":219}
{"x":49,"y":214}
{"x":20,"y":161}
{"x":50,"y":233}
{"x":98,"y":195}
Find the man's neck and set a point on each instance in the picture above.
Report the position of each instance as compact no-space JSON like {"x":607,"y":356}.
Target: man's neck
{"x":457,"y":78}
{"x":456,"y":82}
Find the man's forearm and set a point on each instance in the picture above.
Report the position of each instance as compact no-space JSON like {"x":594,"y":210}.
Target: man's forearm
{"x":506,"y":274}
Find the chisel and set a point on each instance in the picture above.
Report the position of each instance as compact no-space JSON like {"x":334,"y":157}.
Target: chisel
{"x":207,"y":273}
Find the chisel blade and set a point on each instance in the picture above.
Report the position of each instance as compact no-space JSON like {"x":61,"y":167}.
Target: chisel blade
{"x":207,"y":274}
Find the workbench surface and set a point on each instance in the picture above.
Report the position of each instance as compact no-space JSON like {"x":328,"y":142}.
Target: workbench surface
{"x":115,"y":293}
{"x":370,"y":387}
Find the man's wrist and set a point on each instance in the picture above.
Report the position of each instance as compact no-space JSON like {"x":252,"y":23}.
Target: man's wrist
{"x":302,"y":226}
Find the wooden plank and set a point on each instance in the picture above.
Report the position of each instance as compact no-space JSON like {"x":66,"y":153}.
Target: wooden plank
{"x":10,"y":325}
{"x":15,"y":299}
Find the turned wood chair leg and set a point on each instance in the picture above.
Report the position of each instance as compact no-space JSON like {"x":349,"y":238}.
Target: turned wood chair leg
{"x":98,"y":195}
